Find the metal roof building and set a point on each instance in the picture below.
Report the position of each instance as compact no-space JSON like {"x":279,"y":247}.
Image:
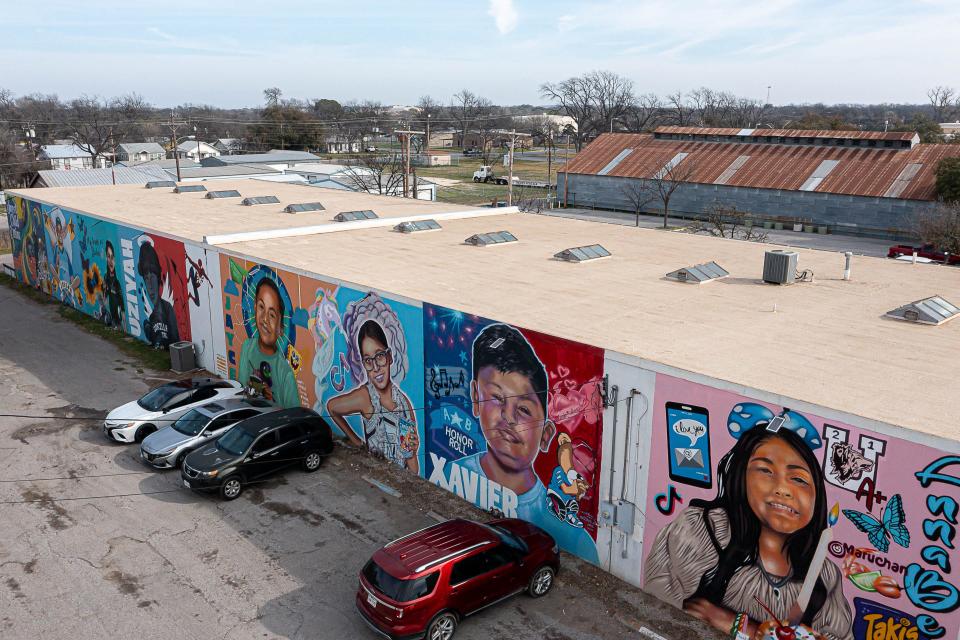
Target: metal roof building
{"x":95,"y":177}
{"x":885,"y":178}
{"x":274,"y":157}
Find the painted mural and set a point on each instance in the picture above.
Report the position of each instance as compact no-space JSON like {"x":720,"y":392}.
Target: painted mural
{"x":353,"y":356}
{"x":130,"y":280}
{"x":756,"y":509}
{"x":515,"y":421}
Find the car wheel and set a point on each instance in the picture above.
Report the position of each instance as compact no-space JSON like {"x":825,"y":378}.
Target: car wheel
{"x":180,"y":459}
{"x":312,"y":461}
{"x":231,"y":488}
{"x":540,"y":582}
{"x":442,"y":627}
{"x":143,"y":432}
{"x":476,"y":179}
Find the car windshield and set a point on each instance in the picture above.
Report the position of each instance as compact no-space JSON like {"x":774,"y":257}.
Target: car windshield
{"x":235,"y":441}
{"x":156,"y":399}
{"x":191,"y":423}
{"x":396,"y":588}
{"x":510,"y":539}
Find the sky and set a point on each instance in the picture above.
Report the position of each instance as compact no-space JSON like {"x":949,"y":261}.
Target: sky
{"x":225,"y":53}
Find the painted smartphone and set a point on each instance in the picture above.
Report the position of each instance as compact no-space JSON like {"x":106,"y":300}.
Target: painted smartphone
{"x":688,"y":444}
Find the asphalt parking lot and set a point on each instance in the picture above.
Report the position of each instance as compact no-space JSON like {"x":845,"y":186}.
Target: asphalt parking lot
{"x":95,"y":545}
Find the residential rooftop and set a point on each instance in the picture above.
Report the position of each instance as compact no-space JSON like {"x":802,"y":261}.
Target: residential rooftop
{"x":825,"y":342}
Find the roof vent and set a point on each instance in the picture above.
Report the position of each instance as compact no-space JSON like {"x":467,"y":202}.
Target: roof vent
{"x":487,"y":239}
{"x":699,"y":273}
{"x":582,"y":254}
{"x":188,"y":188}
{"x":230,"y":193}
{"x":932,"y":310}
{"x":156,"y":184}
{"x":260,"y":200}
{"x":303,"y":207}
{"x":417,"y":225}
{"x":350,"y":216}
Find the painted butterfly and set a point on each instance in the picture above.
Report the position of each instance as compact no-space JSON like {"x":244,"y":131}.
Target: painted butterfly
{"x":879,"y":532}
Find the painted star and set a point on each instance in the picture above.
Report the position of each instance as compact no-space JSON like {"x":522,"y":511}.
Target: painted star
{"x":455,"y":419}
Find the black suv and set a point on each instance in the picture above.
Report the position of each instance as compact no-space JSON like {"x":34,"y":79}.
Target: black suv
{"x":257,"y":447}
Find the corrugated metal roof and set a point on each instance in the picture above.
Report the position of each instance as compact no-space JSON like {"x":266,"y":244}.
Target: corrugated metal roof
{"x":788,"y":133}
{"x":64,"y":151}
{"x":859,"y":171}
{"x":140,"y":147}
{"x":231,"y":170}
{"x":93,"y":177}
{"x":258,"y":158}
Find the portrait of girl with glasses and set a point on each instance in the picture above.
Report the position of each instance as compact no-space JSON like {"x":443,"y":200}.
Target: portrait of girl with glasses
{"x":377,"y":365}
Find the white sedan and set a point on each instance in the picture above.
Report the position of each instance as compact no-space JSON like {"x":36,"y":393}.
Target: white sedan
{"x":160,"y":407}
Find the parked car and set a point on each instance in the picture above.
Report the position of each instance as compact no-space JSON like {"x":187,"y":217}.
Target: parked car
{"x":472,"y":152}
{"x":425,"y":583}
{"x":370,"y":148}
{"x":167,"y":447}
{"x":162,"y":406}
{"x":927,"y":251}
{"x":257,"y":447}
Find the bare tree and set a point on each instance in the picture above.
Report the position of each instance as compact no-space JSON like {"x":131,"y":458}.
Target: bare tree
{"x":95,"y":124}
{"x":271,"y":95}
{"x":464,"y":109}
{"x":17,"y":163}
{"x":612,"y":95}
{"x":726,"y":221}
{"x":941,"y":228}
{"x":381,"y":174}
{"x":645,"y":112}
{"x":640,"y":194}
{"x":575,"y":96}
{"x":942,"y":101}
{"x":430,"y":111}
{"x":665,"y":182}
{"x":679,"y":111}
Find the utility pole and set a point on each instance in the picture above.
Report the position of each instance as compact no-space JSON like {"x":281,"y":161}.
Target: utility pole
{"x":549,"y":156}
{"x":513,"y":140}
{"x":566,"y":159}
{"x":406,"y":133}
{"x":113,"y":165}
{"x":426,"y":142}
{"x":174,"y":123}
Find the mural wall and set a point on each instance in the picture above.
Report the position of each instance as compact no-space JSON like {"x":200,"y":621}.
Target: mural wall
{"x":751,"y":501}
{"x":514,"y":423}
{"x":353,"y":356}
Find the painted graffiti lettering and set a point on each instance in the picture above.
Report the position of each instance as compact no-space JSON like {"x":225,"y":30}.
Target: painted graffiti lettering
{"x":928,"y":590}
{"x":881,"y":627}
{"x":932,"y":473}
{"x":868,"y":494}
{"x":943,"y":505}
{"x":929,"y":627}
{"x":843,"y":549}
{"x":938,"y":556}
{"x":939,"y":530}
{"x":130,"y":287}
{"x":469,"y":485}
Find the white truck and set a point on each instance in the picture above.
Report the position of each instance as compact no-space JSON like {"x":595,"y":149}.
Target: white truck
{"x":485,"y":174}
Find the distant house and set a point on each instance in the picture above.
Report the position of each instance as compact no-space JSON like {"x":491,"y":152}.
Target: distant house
{"x":432,"y":158}
{"x":69,"y":156}
{"x":443,"y":139}
{"x":229,"y":146}
{"x":196,"y":150}
{"x":493,"y":138}
{"x":951,"y":130}
{"x":559,"y":124}
{"x":92,"y":177}
{"x":200,"y":173}
{"x":140,"y":152}
{"x":275,"y":158}
{"x":340,"y":144}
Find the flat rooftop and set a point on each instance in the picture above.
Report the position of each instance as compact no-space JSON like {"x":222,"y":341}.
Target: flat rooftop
{"x":824,"y":342}
{"x":192,"y":215}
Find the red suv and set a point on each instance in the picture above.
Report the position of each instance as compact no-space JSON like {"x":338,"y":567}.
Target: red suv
{"x":424,"y":583}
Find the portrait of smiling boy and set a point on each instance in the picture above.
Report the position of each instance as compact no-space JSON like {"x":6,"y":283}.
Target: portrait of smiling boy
{"x":263,"y":364}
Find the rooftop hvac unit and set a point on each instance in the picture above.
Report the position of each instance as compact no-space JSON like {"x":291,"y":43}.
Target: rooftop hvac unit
{"x":182,"y":358}
{"x":780,"y":267}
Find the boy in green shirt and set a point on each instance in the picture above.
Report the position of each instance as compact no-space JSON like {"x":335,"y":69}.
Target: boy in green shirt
{"x":263,"y":366}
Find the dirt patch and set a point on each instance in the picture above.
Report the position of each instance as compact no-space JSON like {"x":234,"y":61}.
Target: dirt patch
{"x":209,"y":556}
{"x":30,"y":567}
{"x":57,"y":516}
{"x":281,"y":509}
{"x":143,"y":604}
{"x":349,"y":523}
{"x":255,"y":495}
{"x":70,"y":415}
{"x":126,"y":584}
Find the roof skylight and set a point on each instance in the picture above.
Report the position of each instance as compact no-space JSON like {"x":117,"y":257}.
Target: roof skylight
{"x":188,"y":188}
{"x":487,"y":239}
{"x":699,"y":273}
{"x":229,"y":193}
{"x":260,"y":200}
{"x":350,"y":216}
{"x":582,"y":254}
{"x":156,"y":184}
{"x":303,"y":207}
{"x":417,"y":225}
{"x":933,"y":310}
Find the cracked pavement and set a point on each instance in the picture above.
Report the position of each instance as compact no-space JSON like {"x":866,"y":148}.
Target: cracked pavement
{"x":279,"y":562}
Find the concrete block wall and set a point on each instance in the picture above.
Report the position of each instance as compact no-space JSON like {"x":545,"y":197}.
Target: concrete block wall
{"x":880,"y":217}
